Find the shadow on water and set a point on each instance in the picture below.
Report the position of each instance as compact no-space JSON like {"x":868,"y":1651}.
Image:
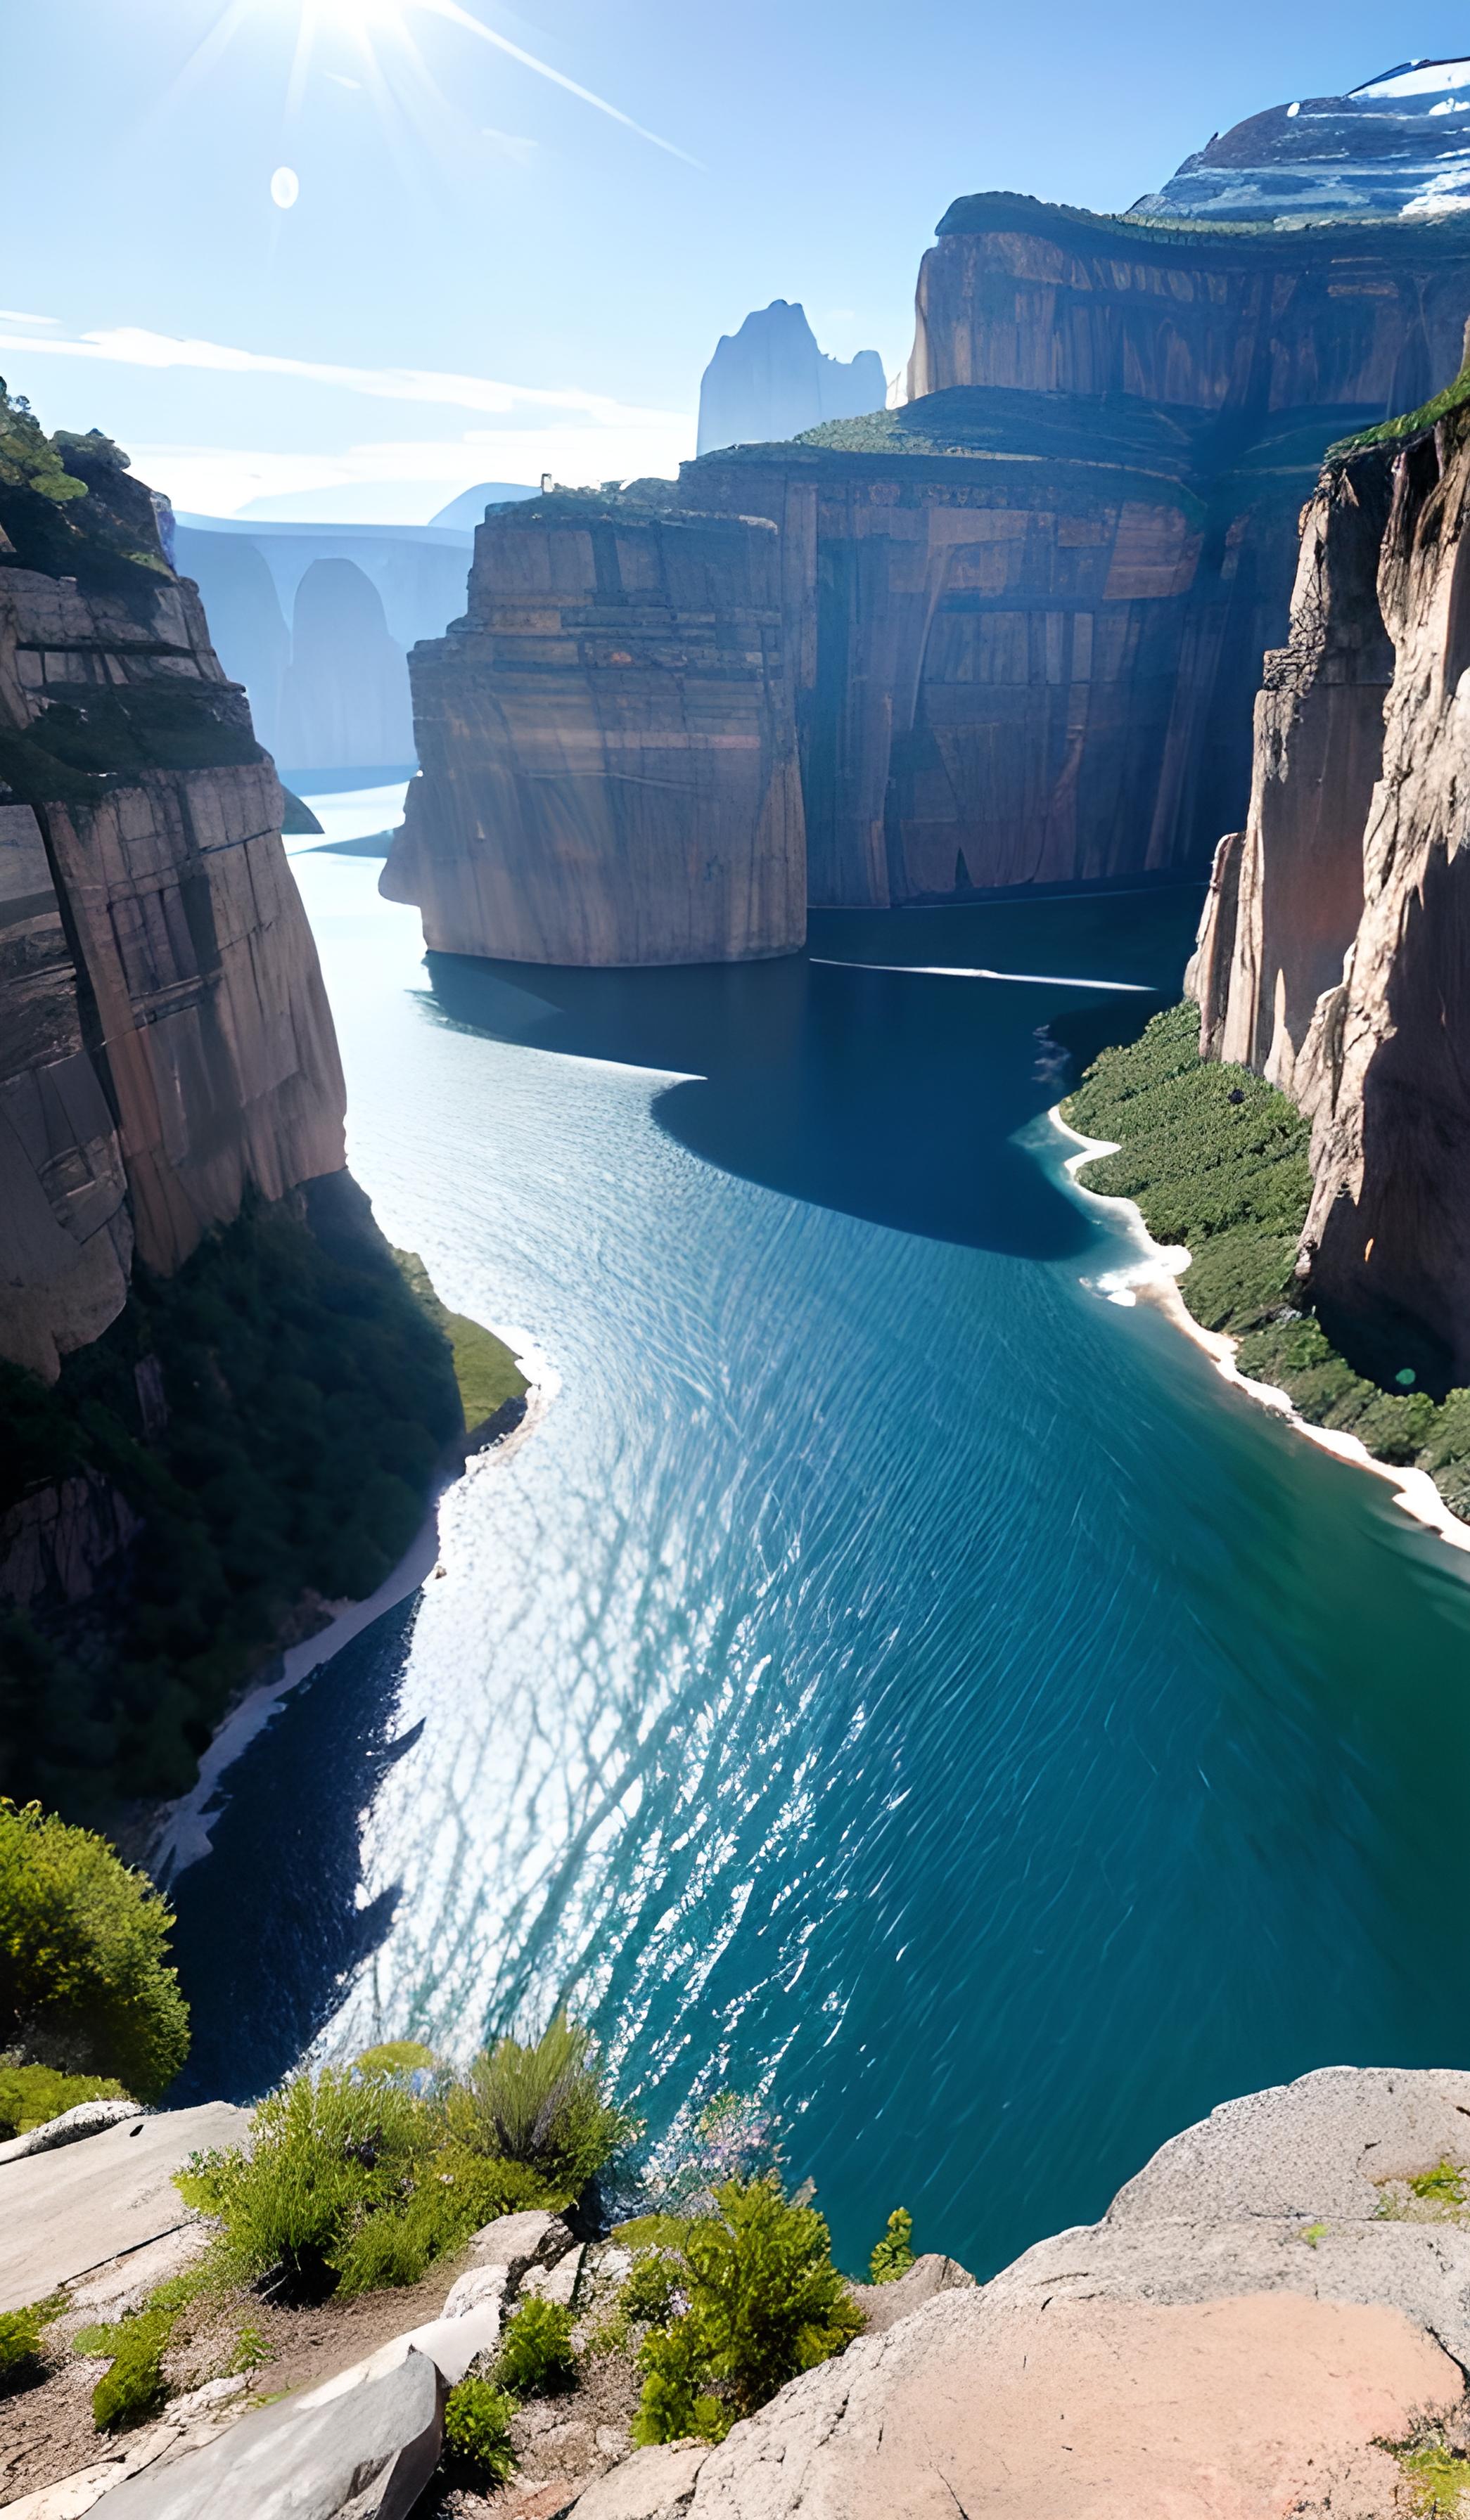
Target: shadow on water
{"x":889,"y":1094}
{"x":291,"y":1831}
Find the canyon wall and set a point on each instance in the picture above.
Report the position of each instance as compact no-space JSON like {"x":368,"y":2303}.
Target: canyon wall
{"x":1025,"y":294}
{"x":166,"y":1036}
{"x":1023,"y":632}
{"x":1335,"y":950}
{"x":608,"y":758}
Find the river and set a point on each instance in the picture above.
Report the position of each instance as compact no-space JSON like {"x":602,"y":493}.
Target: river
{"x":890,"y":1679}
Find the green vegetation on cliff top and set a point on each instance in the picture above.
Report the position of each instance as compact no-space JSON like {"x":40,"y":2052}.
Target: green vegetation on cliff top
{"x":1410,"y":423}
{"x":1216,"y":1160}
{"x":484,"y":1368}
{"x":276,"y":1415}
{"x":85,"y":1984}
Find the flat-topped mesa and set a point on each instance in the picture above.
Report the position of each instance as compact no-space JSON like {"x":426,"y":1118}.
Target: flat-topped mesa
{"x":1252,"y":319}
{"x":608,"y":746}
{"x":1335,"y":949}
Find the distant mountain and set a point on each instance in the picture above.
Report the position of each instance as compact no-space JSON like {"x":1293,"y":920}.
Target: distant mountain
{"x":1397,"y":147}
{"x":316,"y":620}
{"x":468,"y":510}
{"x":769,"y":381}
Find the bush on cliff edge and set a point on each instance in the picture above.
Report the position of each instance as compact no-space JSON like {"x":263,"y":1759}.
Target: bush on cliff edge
{"x":85,"y":1984}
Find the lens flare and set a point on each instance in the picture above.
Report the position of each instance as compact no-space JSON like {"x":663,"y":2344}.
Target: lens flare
{"x":285,"y":188}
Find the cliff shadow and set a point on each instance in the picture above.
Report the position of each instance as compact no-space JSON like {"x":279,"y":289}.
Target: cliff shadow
{"x":862,"y":1075}
{"x":270,"y":1932}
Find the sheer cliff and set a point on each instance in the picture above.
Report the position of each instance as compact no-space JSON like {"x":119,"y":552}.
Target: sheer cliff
{"x":1335,"y":951}
{"x":220,"y":1402}
{"x":167,"y":1027}
{"x":607,"y":747}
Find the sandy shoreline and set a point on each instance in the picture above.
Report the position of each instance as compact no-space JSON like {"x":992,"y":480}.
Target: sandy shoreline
{"x":183,"y":1830}
{"x":1154,"y":1279}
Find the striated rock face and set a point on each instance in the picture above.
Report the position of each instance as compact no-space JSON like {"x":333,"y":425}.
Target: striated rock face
{"x":165,"y":1039}
{"x":1394,"y":147}
{"x":1019,"y":292}
{"x":770,"y":381}
{"x":1337,"y":957}
{"x":608,"y":746}
{"x":1023,"y":631}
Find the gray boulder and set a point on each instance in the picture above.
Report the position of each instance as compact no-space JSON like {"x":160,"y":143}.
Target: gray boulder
{"x":89,"y":2117}
{"x":366,"y":2454}
{"x":519,"y":2241}
{"x":71,"y":2210}
{"x":884,"y":2305}
{"x":653,"y":2484}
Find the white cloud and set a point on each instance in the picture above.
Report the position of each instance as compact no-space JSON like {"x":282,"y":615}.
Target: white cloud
{"x":133,"y":347}
{"x":506,"y":144}
{"x":411,"y":477}
{"x":8,"y":316}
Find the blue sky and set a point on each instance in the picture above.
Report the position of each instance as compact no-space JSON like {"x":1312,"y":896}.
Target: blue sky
{"x":487,"y":274}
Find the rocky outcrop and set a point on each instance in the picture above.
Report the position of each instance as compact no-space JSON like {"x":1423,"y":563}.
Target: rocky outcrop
{"x":1336,"y":956}
{"x":770,"y":381}
{"x":608,"y":746}
{"x":1253,"y":2324}
{"x":1021,"y":294}
{"x":1394,"y":147}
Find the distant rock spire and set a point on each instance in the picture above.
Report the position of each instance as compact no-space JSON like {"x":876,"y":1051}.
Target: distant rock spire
{"x":769,"y":380}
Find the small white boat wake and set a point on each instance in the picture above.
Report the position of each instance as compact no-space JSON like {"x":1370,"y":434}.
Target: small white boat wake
{"x":967,"y":972}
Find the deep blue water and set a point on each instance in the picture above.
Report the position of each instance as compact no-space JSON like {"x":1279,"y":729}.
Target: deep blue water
{"x":891,"y":1677}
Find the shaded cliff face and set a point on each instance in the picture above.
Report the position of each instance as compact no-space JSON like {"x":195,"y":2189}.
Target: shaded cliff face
{"x":166,"y":1033}
{"x":609,"y":753}
{"x":1352,"y":883}
{"x":770,"y":381}
{"x":1023,"y":631}
{"x":1017,"y":293}
{"x":1392,"y":148}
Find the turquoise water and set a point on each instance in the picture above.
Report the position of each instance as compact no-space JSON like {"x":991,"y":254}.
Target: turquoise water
{"x":891,"y":1677}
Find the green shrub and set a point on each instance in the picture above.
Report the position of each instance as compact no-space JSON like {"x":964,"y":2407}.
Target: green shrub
{"x":765,"y":2302}
{"x":248,"y":2353}
{"x":309,"y":1400}
{"x":477,"y":2421}
{"x":31,"y":2096}
{"x":28,"y":459}
{"x":85,"y":1984}
{"x":350,"y":2182}
{"x":395,"y":2056}
{"x":542,"y":2105}
{"x":536,"y":2356}
{"x":21,"y":2333}
{"x":328,"y":2154}
{"x":1444,"y":2184}
{"x":892,"y":2256}
{"x":132,"y":2388}
{"x":650,"y":2291}
{"x":677,"y":2402}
